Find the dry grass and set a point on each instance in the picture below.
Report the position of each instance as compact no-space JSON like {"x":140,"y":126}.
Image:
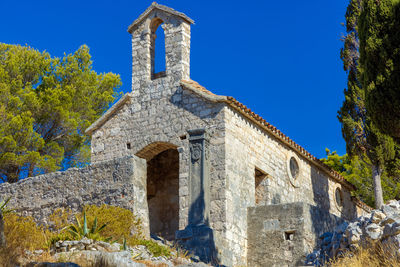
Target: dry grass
{"x":149,"y":263}
{"x":8,"y":257}
{"x":23,"y":233}
{"x":373,"y":255}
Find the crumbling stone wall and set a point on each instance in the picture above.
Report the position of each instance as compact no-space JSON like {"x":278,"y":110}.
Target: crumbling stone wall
{"x":118,"y":182}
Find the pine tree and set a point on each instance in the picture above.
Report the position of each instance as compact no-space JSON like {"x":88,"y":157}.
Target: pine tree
{"x":45,"y":106}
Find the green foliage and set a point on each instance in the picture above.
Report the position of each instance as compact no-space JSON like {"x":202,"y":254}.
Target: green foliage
{"x":358,"y":172}
{"x":3,"y":206}
{"x":124,"y":245}
{"x":81,"y":230}
{"x":363,"y":137}
{"x":121,"y":223}
{"x":22,"y":233}
{"x":45,"y":106}
{"x":379,"y":25}
{"x":154,"y":248}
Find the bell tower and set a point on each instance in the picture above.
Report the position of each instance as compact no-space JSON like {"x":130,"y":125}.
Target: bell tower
{"x":176,"y":27}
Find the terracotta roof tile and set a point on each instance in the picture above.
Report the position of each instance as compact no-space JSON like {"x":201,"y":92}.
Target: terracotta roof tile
{"x":273,"y":130}
{"x":197,"y":86}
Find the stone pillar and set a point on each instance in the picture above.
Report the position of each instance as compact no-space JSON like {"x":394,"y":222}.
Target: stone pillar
{"x":199,"y":206}
{"x":198,"y":237}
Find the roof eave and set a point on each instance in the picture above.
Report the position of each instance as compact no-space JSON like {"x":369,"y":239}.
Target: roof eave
{"x":246,"y":112}
{"x":153,"y":6}
{"x":100,"y":121}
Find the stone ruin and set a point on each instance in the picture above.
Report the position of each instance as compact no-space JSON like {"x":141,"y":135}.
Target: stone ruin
{"x":199,"y":169}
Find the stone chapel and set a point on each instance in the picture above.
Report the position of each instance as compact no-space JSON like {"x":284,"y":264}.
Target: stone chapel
{"x":199,"y":169}
{"x":218,"y":175}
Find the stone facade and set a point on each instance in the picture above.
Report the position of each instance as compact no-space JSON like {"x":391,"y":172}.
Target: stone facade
{"x":197,"y":167}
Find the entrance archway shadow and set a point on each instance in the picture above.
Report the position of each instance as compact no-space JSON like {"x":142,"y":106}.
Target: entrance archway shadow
{"x":162,"y":188}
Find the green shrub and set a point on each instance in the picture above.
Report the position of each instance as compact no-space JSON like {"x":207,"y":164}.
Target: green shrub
{"x":155,"y":248}
{"x":3,"y":206}
{"x":121,"y":223}
{"x":80,"y":230}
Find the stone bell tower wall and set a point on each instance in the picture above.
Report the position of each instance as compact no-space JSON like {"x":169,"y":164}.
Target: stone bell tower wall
{"x":177,"y":48}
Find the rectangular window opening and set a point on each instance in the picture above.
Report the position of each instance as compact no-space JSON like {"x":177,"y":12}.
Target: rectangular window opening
{"x":289,"y":235}
{"x":260,"y":187}
{"x":128,"y":145}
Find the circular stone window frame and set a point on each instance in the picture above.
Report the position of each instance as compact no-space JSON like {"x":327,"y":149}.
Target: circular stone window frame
{"x":294,"y":181}
{"x":337,"y":205}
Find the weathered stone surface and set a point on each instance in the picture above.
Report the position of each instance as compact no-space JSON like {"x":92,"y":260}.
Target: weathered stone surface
{"x":52,"y":264}
{"x":117,"y":259}
{"x":2,"y":237}
{"x":116,"y":182}
{"x":381,"y":225}
{"x":377,"y":216}
{"x":282,"y":234}
{"x":193,"y":264}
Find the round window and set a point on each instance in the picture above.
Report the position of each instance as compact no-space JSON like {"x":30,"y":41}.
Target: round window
{"x":338,"y":197}
{"x":294,"y":168}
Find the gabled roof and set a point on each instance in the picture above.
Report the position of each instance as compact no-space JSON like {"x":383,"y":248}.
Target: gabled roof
{"x":255,"y":118}
{"x":154,"y":6}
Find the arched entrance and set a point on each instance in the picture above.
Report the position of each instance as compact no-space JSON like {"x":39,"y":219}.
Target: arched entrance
{"x":162,"y":188}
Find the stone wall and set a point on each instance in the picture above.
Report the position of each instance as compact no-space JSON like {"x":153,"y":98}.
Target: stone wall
{"x":160,"y":120}
{"x":120,"y":182}
{"x":283,"y":234}
{"x":249,"y":148}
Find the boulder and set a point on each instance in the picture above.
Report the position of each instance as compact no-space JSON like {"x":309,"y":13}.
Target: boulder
{"x":101,"y":258}
{"x":380,"y":225}
{"x":52,"y":264}
{"x":377,"y":216}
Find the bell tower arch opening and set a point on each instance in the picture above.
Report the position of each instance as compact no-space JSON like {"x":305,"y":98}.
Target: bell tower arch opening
{"x":157,"y":49}
{"x":162,"y":188}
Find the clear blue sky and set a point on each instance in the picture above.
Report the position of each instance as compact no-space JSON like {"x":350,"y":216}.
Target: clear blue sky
{"x":280,"y":58}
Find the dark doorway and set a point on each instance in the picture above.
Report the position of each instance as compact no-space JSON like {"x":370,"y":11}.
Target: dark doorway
{"x":163,"y":193}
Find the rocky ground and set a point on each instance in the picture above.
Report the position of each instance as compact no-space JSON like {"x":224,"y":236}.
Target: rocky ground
{"x":380,"y":225}
{"x":93,"y":252}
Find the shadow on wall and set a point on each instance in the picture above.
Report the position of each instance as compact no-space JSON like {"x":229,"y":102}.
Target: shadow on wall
{"x":163,"y":193}
{"x":198,"y":236}
{"x":194,"y":104}
{"x":199,"y":239}
{"x":321,"y":217}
